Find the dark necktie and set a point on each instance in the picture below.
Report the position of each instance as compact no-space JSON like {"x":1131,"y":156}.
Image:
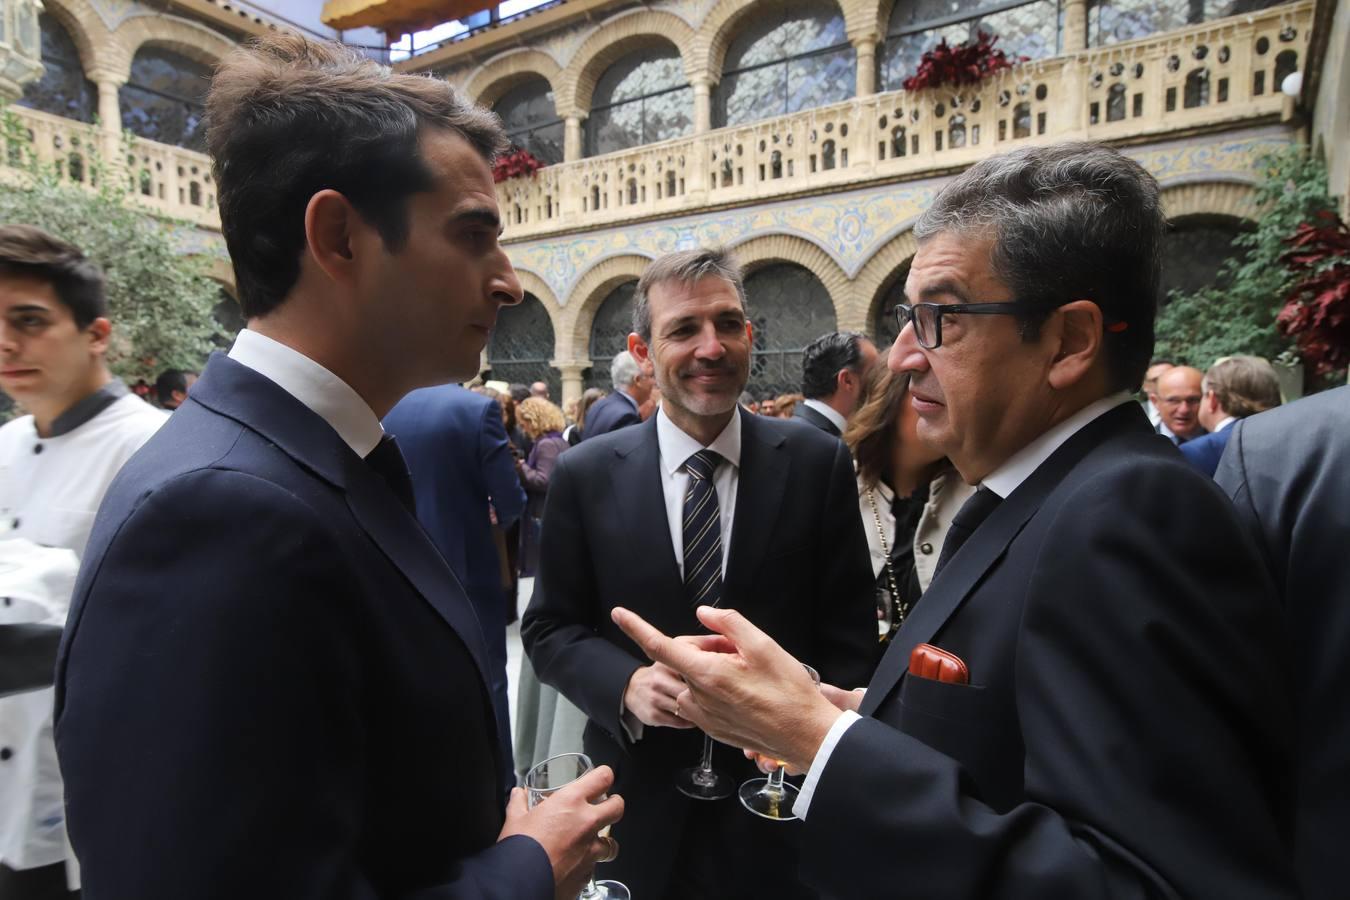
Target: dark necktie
{"x":388,"y":462}
{"x":702,"y":532}
{"x":968,"y":518}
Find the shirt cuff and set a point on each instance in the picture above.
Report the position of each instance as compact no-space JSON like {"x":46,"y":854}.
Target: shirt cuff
{"x":631,"y":723}
{"x":832,"y":737}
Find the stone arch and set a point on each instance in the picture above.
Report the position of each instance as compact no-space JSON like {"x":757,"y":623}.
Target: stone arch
{"x":591,"y":290}
{"x":1233,"y":199}
{"x":196,"y":42}
{"x":86,"y":29}
{"x":533,"y":284}
{"x":788,"y":248}
{"x":506,"y":70}
{"x":612,"y":41}
{"x":878,"y":274}
{"x":724,"y":21}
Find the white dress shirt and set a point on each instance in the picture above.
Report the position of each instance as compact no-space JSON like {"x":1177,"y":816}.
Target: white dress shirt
{"x":325,"y":394}
{"x":675,"y":447}
{"x":828,"y":412}
{"x":1002,"y":481}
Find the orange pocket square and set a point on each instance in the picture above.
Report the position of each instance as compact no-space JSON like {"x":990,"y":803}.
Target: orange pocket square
{"x":936,"y":664}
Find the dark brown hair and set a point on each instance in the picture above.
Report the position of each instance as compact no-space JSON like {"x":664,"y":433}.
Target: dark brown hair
{"x":29,"y":252}
{"x":288,"y":117}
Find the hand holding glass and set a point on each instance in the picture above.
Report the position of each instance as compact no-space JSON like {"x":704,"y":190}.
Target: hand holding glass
{"x":772,"y":797}
{"x":552,"y":775}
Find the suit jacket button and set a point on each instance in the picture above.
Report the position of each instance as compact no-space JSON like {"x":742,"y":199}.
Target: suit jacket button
{"x":5,"y":754}
{"x":925,"y":548}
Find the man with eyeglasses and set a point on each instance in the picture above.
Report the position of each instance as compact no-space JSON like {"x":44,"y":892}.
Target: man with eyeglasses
{"x":1087,"y":701}
{"x":1178,"y":401}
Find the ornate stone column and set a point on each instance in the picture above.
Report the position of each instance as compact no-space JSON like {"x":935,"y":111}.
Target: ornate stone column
{"x":702,"y":86}
{"x":865,"y":47}
{"x":20,"y":46}
{"x":1075,"y":25}
{"x":572,"y":139}
{"x":109,"y":118}
{"x":571,"y":379}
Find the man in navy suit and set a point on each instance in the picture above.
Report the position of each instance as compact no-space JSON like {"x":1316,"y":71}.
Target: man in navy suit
{"x":271,"y":685}
{"x":1091,"y":699}
{"x":1234,"y":388}
{"x":833,"y":366}
{"x":456,"y":448}
{"x":622,"y":406}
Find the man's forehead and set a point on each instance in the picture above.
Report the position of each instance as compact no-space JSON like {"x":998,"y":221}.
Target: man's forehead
{"x":708,"y":290}
{"x":950,"y":258}
{"x":18,"y":291}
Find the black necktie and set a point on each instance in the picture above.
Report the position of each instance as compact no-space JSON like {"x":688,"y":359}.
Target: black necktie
{"x":702,"y":532}
{"x":388,"y":462}
{"x":968,"y":518}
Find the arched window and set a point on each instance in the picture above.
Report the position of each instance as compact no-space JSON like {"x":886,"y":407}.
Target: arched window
{"x":609,"y":333}
{"x":1194,"y":249}
{"x":522,"y":345}
{"x":641,"y":99}
{"x":531,"y":121}
{"x":165,"y":98}
{"x":789,"y":308}
{"x":916,"y":26}
{"x":1114,"y":21}
{"x":62,"y":90}
{"x":883,"y":318}
{"x":789,"y":57}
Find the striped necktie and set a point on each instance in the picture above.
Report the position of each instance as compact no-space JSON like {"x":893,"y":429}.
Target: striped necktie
{"x":702,"y":532}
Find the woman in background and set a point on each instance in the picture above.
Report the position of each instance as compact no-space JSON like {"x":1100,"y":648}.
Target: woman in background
{"x":542,"y":422}
{"x":907,"y":495}
{"x":576,"y":431}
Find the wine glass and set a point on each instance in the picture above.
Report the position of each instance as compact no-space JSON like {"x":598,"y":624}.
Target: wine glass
{"x":772,"y":797}
{"x":546,"y":779}
{"x":701,"y":782}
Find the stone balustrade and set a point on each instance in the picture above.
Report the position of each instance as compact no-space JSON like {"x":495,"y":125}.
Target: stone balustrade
{"x":1201,"y":77}
{"x":168,"y":181}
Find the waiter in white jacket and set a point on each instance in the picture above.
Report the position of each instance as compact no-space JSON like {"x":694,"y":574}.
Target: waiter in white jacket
{"x":55,"y":465}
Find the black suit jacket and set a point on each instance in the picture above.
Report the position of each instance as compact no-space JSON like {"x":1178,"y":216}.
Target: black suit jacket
{"x":610,"y":413}
{"x":1288,"y":472}
{"x":807,"y":414}
{"x":271,"y":685}
{"x":797,"y":567}
{"x":1125,"y":732}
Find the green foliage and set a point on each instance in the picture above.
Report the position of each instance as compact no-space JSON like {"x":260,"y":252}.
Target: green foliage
{"x":1199,"y":328}
{"x":160,"y":299}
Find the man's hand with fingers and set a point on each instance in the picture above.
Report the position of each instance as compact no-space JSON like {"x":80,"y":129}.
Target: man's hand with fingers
{"x":651,"y":694}
{"x":568,"y":827}
{"x":846,"y":701}
{"x":743,"y":688}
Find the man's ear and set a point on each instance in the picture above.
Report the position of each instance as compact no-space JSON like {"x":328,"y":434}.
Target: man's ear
{"x":330,"y":220}
{"x":1076,"y":329}
{"x":99,"y":331}
{"x":1212,"y":401}
{"x":638,"y":347}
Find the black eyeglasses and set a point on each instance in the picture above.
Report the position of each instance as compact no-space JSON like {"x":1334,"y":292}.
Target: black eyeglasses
{"x":927,"y":317}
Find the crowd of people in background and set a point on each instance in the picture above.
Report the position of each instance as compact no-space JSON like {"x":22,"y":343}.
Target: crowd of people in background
{"x":997,"y":615}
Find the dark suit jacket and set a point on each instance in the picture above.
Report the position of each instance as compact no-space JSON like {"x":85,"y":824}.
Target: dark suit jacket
{"x":270,"y":684}
{"x":1288,"y":472}
{"x":610,"y":413}
{"x":1204,"y":452}
{"x":797,"y":567}
{"x":1125,"y":732}
{"x":807,"y":414}
{"x":455,"y":445}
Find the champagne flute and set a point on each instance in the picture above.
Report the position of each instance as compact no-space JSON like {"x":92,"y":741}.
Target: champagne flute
{"x":546,"y":779}
{"x":772,"y":797}
{"x":702,"y":782}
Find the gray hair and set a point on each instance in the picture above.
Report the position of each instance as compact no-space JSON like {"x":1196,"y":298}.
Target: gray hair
{"x":1071,"y":221}
{"x":685,"y":267}
{"x":1244,"y":385}
{"x":624,"y":370}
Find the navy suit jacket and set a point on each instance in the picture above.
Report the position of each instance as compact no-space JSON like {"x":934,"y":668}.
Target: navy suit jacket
{"x":1126,"y":730}
{"x":810,"y":416}
{"x":1205,"y":451}
{"x":1288,"y":472}
{"x":610,"y":413}
{"x":455,"y":445}
{"x":271,"y":685}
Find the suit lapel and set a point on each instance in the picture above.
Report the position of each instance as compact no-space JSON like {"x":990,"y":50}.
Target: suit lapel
{"x":984,"y":549}
{"x":759,"y":493}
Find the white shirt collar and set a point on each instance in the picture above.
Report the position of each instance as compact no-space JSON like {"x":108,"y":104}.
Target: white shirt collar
{"x":1224,"y":424}
{"x":1018,"y":468}
{"x":828,"y":412}
{"x":327,"y":395}
{"x":676,"y":446}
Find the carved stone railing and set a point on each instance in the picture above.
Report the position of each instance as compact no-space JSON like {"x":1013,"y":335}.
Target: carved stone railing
{"x":1206,"y":76}
{"x":166,"y":180}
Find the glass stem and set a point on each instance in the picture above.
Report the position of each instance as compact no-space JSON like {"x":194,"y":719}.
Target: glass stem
{"x":775,"y":783}
{"x":706,"y":765}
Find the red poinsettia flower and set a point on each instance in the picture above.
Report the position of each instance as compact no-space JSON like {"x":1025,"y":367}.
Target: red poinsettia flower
{"x":513,"y":164}
{"x":967,"y":63}
{"x":1316,"y":313}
